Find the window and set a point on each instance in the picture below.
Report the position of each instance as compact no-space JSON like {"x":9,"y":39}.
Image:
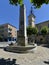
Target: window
{"x":5,"y":29}
{"x":2,"y":34}
{"x":1,"y":31}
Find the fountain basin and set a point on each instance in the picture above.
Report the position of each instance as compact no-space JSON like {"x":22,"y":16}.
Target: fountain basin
{"x":20,"y":48}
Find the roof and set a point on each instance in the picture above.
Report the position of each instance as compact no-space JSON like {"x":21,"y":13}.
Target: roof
{"x":42,"y":22}
{"x":8,"y":24}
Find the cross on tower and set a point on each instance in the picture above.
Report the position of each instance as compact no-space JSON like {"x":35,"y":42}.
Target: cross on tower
{"x":31,"y":10}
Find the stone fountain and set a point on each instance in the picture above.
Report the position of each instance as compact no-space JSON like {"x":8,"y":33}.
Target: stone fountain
{"x":22,"y":44}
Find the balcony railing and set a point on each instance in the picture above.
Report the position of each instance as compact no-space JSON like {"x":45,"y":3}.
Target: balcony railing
{"x":9,"y":34}
{"x":9,"y":29}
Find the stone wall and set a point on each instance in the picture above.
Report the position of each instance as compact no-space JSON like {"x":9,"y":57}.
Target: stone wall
{"x":39,"y":39}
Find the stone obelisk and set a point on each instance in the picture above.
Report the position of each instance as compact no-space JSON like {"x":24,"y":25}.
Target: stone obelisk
{"x":22,"y":37}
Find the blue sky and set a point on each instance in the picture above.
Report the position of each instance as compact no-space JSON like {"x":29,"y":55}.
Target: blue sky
{"x":10,"y":14}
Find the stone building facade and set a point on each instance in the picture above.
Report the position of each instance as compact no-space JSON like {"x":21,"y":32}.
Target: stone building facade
{"x":42,"y":24}
{"x":40,"y":38}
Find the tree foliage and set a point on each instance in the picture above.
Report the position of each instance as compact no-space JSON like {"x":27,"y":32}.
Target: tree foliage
{"x":36,"y":3}
{"x":16,"y":2}
{"x":31,"y":30}
{"x":44,"y":30}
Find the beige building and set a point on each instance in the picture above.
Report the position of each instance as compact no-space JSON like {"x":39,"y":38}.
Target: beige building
{"x":8,"y":32}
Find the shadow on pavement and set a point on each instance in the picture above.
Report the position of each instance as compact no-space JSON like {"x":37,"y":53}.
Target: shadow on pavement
{"x":8,"y":61}
{"x":46,"y":45}
{"x":46,"y":62}
{"x":43,"y":45}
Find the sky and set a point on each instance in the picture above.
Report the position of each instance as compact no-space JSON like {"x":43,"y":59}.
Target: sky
{"x":10,"y":13}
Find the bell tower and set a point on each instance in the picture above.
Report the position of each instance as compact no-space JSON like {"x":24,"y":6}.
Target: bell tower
{"x":31,"y":19}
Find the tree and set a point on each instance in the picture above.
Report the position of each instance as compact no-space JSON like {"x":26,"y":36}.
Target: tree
{"x":29,"y":30}
{"x":44,"y":30}
{"x":32,"y":30}
{"x":36,"y":3}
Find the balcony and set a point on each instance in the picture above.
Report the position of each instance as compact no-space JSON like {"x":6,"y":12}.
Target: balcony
{"x":9,"y":30}
{"x":9,"y":34}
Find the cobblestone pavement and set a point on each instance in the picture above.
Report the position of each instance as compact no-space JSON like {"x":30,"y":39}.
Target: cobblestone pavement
{"x":37,"y":58}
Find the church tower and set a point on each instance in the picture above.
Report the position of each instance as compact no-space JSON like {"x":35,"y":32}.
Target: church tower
{"x":31,"y":19}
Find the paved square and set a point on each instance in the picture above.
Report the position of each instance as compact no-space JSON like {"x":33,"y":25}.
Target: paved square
{"x":37,"y":58}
